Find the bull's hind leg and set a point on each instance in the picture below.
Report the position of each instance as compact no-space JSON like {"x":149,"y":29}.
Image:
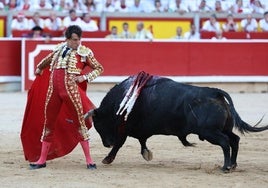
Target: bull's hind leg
{"x":218,"y":138}
{"x":234,"y":143}
{"x":145,"y":152}
{"x":185,"y":142}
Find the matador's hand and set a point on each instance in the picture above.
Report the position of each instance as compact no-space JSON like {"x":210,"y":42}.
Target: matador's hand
{"x":80,"y":79}
{"x":38,"y":71}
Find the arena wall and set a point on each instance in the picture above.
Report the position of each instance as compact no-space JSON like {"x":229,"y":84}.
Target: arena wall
{"x":205,"y":62}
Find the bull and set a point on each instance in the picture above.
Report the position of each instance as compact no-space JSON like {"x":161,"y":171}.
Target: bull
{"x":165,"y":107}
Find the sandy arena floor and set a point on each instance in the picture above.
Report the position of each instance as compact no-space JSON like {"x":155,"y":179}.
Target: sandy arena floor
{"x":173,"y":165}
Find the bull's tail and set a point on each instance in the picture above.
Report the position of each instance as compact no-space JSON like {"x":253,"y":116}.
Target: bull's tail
{"x":241,"y":125}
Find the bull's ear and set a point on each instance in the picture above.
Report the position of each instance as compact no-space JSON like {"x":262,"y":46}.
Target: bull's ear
{"x":89,"y":113}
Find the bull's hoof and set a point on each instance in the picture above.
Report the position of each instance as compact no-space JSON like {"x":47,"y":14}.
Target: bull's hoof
{"x":107,"y":160}
{"x":226,"y":169}
{"x":147,"y":155}
{"x":233,"y":167}
{"x":190,"y":144}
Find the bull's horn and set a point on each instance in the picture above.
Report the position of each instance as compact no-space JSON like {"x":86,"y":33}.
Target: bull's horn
{"x":89,"y":113}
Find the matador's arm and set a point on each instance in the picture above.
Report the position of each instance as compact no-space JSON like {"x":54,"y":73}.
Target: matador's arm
{"x":96,"y":66}
{"x":47,"y":60}
{"x":44,"y":63}
{"x":92,"y":62}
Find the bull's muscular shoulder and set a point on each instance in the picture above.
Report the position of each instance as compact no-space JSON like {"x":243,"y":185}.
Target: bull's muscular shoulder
{"x":84,"y":51}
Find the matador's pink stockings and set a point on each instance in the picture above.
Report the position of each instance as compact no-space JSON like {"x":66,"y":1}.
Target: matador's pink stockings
{"x":85,"y":146}
{"x":44,"y":152}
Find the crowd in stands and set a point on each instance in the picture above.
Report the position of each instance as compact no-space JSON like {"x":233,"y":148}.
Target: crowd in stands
{"x":180,"y":6}
{"x":248,"y":24}
{"x":71,"y":8}
{"x":54,"y":22}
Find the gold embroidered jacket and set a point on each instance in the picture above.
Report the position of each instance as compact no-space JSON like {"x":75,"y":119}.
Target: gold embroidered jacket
{"x":74,"y":61}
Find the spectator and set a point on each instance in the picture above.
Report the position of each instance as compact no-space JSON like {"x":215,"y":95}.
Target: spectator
{"x":113,"y":34}
{"x":90,"y":6}
{"x":37,"y":33}
{"x":158,"y":6}
{"x":218,"y":36}
{"x":166,"y":4}
{"x":178,"y":6}
{"x":203,"y":7}
{"x":121,"y":6}
{"x":36,"y":20}
{"x":239,"y":7}
{"x":53,"y":22}
{"x":26,"y":5}
{"x":2,"y":6}
{"x":72,"y":19}
{"x":265,"y":4}
{"x":109,"y":6}
{"x":249,"y":24}
{"x":12,"y":5}
{"x":99,"y":5}
{"x":193,"y":34}
{"x":192,"y":5}
{"x":218,"y":7}
{"x":62,"y":6}
{"x":148,"y":5}
{"x":178,"y":33}
{"x":137,"y":7}
{"x":78,"y":6}
{"x":230,"y":24}
{"x":87,"y":24}
{"x":42,"y":5}
{"x":264,"y":22}
{"x":257,"y":7}
{"x":20,"y":22}
{"x":226,"y":5}
{"x":126,"y":34}
{"x":142,"y":33}
{"x":212,"y":24}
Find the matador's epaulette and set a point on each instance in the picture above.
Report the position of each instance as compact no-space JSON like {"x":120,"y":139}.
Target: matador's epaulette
{"x":84,"y":51}
{"x":59,"y":46}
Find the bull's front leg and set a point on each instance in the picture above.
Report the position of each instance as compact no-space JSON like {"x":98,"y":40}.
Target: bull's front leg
{"x":145,"y":152}
{"x":118,"y":144}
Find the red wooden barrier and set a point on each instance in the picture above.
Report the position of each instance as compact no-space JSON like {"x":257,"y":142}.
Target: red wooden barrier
{"x":167,"y":58}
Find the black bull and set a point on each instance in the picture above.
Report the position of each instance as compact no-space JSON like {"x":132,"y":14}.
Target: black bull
{"x":167,"y":107}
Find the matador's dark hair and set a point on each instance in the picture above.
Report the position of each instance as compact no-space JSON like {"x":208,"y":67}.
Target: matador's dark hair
{"x":73,"y":29}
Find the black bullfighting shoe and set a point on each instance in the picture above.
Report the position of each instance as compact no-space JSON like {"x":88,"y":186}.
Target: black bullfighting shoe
{"x":37,"y":166}
{"x":91,"y":166}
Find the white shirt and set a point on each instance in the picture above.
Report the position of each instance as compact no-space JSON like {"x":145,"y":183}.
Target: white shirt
{"x":227,"y":28}
{"x":251,"y":27}
{"x":118,"y":7}
{"x":139,"y":8}
{"x":53,"y":25}
{"x":47,"y":6}
{"x":16,"y":25}
{"x":41,"y":23}
{"x":144,"y":34}
{"x":89,"y":26}
{"x":189,"y":36}
{"x":67,"y":21}
{"x":173,"y":6}
{"x":263,"y":24}
{"x":208,"y":27}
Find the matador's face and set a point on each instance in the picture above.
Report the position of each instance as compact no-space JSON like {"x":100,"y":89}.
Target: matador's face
{"x":74,"y":41}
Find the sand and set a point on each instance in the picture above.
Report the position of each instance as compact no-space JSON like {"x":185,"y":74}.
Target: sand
{"x":173,"y":164}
